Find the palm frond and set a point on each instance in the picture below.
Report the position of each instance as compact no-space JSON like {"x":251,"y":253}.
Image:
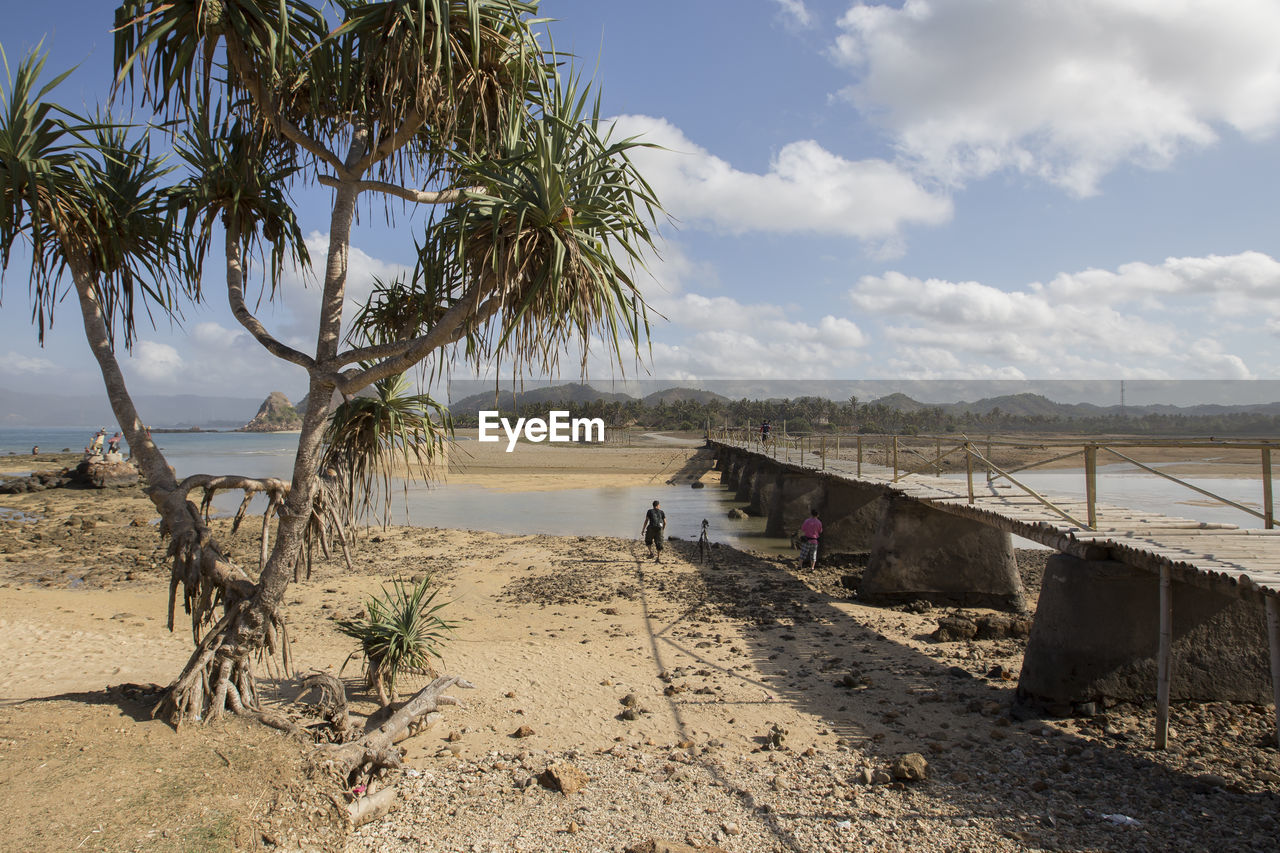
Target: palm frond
{"x":558,"y":229}
{"x":84,"y":193}
{"x":399,"y":634}
{"x":372,"y":440}
{"x":239,"y":179}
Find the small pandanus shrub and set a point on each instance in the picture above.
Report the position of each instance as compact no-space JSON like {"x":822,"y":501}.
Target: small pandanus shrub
{"x":399,"y":634}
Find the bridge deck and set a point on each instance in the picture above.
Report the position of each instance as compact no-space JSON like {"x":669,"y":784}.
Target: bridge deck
{"x":1224,"y":557}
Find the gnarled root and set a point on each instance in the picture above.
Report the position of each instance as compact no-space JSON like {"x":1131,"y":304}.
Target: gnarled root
{"x":218,"y":677}
{"x":333,"y":706}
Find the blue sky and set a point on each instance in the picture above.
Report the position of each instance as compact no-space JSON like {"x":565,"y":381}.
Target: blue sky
{"x":936,"y":189}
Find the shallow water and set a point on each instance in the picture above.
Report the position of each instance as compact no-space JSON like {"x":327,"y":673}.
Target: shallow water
{"x":619,"y":511}
{"x":1124,"y":485}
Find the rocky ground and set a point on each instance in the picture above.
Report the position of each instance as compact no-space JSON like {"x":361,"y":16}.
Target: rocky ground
{"x":742,"y":705}
{"x":993,"y":781}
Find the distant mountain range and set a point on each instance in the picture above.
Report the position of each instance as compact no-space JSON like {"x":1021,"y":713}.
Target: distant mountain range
{"x":572,"y":393}
{"x":1013,"y":404}
{"x":19,"y":409}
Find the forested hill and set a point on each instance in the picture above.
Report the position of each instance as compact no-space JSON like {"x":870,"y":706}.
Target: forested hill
{"x":690,"y":409}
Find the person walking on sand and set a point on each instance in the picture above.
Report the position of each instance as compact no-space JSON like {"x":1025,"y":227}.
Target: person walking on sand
{"x":655,"y":522}
{"x":810,"y":531}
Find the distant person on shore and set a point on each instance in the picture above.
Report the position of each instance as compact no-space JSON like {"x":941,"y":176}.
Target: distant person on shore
{"x":810,"y":532}
{"x":113,"y":446}
{"x":764,"y":432}
{"x":98,"y":437}
{"x":655,"y":522}
{"x":35,"y":450}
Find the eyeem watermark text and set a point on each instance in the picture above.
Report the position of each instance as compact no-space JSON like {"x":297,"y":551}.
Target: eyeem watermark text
{"x":558,"y":426}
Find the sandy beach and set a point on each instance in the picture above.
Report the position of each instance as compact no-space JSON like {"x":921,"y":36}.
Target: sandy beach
{"x":741,"y":705}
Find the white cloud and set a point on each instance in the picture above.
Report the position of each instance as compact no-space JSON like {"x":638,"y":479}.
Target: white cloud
{"x":718,"y":336}
{"x":1063,"y":91}
{"x":15,"y":362}
{"x":1140,"y":320}
{"x":795,"y":12}
{"x":301,"y":290}
{"x":806,"y":190}
{"x":156,"y":362}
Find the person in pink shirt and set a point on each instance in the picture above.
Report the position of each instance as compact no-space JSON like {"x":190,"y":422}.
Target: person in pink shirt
{"x":810,"y":531}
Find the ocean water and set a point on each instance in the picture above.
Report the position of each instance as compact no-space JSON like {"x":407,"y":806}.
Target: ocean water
{"x":605,"y":511}
{"x":615,"y":511}
{"x":1124,"y":485}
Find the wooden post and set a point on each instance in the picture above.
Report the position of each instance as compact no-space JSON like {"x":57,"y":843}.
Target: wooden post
{"x":989,"y":459}
{"x":895,"y":459}
{"x":1091,"y":483}
{"x":824,"y":453}
{"x":937,"y":446}
{"x":1273,"y":636}
{"x":1164,"y":673}
{"x":968,"y":469}
{"x":837,"y":445}
{"x":859,"y":441}
{"x":1269,"y":522}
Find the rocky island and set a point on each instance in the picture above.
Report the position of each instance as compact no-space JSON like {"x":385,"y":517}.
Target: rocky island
{"x":276,"y":414}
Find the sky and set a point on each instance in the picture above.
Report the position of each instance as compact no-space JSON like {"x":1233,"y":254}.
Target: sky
{"x":920,"y":190}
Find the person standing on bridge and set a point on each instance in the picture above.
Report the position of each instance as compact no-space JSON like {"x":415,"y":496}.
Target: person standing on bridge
{"x":810,"y":532}
{"x":655,"y":522}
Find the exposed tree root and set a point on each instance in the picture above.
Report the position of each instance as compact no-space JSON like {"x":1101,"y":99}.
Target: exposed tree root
{"x":333,"y":706}
{"x":218,"y":677}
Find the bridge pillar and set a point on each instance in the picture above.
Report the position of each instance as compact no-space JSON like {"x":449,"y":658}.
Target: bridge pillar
{"x":730,"y":465}
{"x":746,"y":478}
{"x":919,"y":552}
{"x":1097,"y":630}
{"x":850,"y":516}
{"x":795,"y":496}
{"x":764,"y":490}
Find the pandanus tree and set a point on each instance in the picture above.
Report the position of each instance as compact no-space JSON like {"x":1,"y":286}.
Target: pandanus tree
{"x":538,"y":221}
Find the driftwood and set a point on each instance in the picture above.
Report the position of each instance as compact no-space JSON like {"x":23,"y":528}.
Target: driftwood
{"x":359,"y":760}
{"x":373,"y":807}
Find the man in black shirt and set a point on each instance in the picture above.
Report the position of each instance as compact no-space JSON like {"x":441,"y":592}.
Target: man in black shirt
{"x":655,"y":522}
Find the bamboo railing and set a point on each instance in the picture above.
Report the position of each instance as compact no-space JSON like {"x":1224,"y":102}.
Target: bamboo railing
{"x":910,"y":455}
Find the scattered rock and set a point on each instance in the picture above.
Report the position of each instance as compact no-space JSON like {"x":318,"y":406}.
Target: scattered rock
{"x":998,"y":626}
{"x":563,"y":777}
{"x":522,"y":732}
{"x":738,"y":513}
{"x":773,"y":739}
{"x":910,"y":768}
{"x":655,"y":845}
{"x":952,"y":629}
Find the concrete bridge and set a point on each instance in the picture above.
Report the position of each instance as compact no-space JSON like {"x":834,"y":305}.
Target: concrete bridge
{"x":1133,"y":605}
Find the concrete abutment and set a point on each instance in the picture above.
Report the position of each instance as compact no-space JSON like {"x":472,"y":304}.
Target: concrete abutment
{"x":919,"y":552}
{"x":1096,"y":636}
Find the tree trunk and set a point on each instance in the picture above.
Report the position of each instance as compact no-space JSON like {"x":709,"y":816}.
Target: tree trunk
{"x":219,"y":674}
